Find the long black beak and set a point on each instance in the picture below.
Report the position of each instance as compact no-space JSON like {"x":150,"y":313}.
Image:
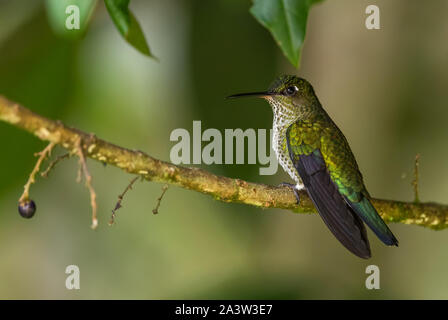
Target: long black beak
{"x":264,"y":94}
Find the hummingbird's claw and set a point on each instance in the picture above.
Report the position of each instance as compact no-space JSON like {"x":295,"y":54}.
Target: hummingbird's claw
{"x":294,"y":189}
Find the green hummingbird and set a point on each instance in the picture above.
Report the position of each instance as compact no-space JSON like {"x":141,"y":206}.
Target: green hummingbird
{"x":314,"y":152}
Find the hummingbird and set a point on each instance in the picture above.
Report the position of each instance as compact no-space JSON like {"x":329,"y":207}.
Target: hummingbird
{"x":315,"y":153}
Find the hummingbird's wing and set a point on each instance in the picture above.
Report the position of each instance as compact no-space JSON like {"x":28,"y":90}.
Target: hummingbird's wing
{"x":323,"y":158}
{"x":344,"y":172}
{"x":345,"y":225}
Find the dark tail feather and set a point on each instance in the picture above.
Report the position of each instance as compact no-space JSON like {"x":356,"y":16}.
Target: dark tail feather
{"x":345,"y":224}
{"x":367,"y":212}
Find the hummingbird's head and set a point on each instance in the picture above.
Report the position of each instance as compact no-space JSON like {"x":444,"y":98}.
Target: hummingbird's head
{"x":288,"y":95}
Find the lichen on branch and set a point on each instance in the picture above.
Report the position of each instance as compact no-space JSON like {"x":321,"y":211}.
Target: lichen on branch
{"x":225,"y":189}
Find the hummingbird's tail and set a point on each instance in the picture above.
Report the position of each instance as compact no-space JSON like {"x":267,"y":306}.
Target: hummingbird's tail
{"x":340,"y":218}
{"x":366,"y":211}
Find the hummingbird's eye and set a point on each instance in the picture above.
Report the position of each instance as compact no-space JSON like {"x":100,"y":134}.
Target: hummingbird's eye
{"x":290,"y":91}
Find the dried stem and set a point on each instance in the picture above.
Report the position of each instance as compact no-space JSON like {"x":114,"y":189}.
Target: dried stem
{"x":53,"y":164}
{"x":120,"y":199}
{"x":42,"y":156}
{"x":88,"y":177}
{"x":431,"y":215}
{"x":415,"y":180}
{"x":159,"y":200}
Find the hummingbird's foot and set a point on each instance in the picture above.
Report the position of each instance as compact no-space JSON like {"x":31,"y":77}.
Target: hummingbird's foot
{"x":294,"y":189}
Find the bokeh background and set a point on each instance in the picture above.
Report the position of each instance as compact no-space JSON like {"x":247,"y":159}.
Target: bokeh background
{"x":386,"y":89}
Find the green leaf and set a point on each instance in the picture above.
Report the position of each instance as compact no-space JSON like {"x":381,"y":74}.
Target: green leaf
{"x":61,"y":12}
{"x":286,"y":20}
{"x":127,"y":25}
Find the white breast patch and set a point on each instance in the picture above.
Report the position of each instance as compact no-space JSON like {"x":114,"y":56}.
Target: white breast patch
{"x":283,"y":118}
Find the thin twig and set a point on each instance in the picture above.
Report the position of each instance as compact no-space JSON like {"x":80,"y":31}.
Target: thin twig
{"x":156,"y":209}
{"x":120,"y":199}
{"x":415,"y":180}
{"x":53,"y":164}
{"x":42,"y":156}
{"x":79,"y":173}
{"x":88,"y":177}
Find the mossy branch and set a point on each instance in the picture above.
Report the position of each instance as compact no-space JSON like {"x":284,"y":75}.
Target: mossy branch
{"x":225,"y":189}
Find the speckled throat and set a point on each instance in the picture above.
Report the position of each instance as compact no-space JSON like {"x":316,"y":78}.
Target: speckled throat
{"x":283,"y":118}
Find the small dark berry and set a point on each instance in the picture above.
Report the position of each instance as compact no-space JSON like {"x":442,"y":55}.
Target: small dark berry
{"x":27,"y":209}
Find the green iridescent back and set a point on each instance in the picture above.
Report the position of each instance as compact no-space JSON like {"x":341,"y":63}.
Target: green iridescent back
{"x":324,"y":139}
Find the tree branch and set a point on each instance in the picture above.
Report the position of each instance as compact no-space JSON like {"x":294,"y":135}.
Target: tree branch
{"x":225,"y":189}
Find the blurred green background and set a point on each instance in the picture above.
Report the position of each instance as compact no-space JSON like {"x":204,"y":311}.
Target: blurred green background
{"x":385,"y":88}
